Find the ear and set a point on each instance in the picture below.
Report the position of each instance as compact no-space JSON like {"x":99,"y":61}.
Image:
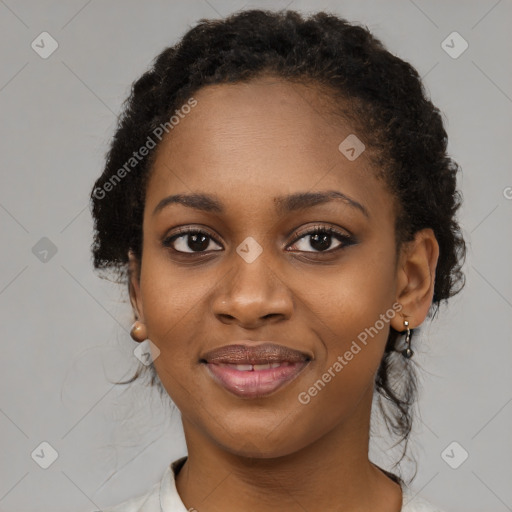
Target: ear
{"x":415,"y":279}
{"x":134,"y":286}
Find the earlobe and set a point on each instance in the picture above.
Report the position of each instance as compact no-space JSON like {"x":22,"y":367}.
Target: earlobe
{"x":134,"y":286}
{"x":138,"y":331}
{"x":416,"y":278}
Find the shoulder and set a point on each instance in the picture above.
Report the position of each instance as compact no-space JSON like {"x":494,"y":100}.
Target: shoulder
{"x":414,"y":503}
{"x":147,"y":502}
{"x":161,"y":496}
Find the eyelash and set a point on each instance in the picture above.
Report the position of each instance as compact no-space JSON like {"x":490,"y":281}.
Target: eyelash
{"x":346,"y":240}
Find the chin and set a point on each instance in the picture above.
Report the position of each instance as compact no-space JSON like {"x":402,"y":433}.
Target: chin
{"x":256,"y":444}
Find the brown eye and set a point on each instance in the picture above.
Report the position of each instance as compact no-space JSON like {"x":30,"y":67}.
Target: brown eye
{"x":190,"y":241}
{"x":321,"y":238}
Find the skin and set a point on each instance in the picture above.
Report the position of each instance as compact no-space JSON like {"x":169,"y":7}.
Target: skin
{"x":247,"y":144}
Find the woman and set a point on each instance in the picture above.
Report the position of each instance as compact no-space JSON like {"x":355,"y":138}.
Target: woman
{"x":279,"y":200}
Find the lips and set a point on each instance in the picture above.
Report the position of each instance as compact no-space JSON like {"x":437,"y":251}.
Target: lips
{"x":265,"y":353}
{"x":253,"y":371}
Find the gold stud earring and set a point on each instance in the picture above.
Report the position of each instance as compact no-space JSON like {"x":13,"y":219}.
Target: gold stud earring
{"x":138,"y":332}
{"x":407,"y":351}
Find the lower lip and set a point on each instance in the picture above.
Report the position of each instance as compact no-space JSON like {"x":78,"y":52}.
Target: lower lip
{"x":254,"y":383}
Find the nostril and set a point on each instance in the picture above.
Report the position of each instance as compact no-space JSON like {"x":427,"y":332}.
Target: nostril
{"x":272,"y":315}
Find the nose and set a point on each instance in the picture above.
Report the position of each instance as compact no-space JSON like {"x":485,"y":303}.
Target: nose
{"x":252,"y":296}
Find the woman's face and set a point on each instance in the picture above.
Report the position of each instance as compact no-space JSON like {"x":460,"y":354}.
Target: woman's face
{"x":256,"y":273}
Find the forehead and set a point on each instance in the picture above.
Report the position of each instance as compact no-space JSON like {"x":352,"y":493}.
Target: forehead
{"x":262,"y":138}
{"x":266,"y":114}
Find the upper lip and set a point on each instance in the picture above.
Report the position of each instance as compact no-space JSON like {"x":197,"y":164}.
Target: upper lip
{"x":243,"y":353}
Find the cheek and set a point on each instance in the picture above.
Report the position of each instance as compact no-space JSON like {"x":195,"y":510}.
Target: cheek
{"x":352,"y":311}
{"x":354,"y":326}
{"x":172,"y":300}
{"x":171,"y":295}
{"x":350,"y":299}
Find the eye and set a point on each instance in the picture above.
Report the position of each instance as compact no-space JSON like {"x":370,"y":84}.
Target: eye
{"x":321,"y":239}
{"x":190,"y":241}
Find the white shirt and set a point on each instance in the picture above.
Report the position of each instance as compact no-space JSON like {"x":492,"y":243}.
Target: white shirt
{"x":163,"y":497}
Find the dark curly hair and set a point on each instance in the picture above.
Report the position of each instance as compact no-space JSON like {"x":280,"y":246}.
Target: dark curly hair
{"x":382,"y":95}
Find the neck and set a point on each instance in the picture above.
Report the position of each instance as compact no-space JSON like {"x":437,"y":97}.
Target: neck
{"x":333,"y":472}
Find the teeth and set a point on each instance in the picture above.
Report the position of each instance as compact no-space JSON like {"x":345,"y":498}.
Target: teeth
{"x":255,"y":367}
{"x":243,"y":367}
{"x":262,"y":366}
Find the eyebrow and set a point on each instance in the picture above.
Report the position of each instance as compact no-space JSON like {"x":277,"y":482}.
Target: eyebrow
{"x":284,"y":204}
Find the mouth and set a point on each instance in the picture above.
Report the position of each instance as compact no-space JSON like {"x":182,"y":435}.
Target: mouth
{"x":254,"y":371}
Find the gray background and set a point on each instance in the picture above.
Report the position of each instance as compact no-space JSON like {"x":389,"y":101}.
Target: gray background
{"x":65,"y":331}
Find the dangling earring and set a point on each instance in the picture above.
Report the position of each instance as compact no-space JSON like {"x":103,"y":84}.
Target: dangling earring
{"x":138,"y":332}
{"x":407,"y":351}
